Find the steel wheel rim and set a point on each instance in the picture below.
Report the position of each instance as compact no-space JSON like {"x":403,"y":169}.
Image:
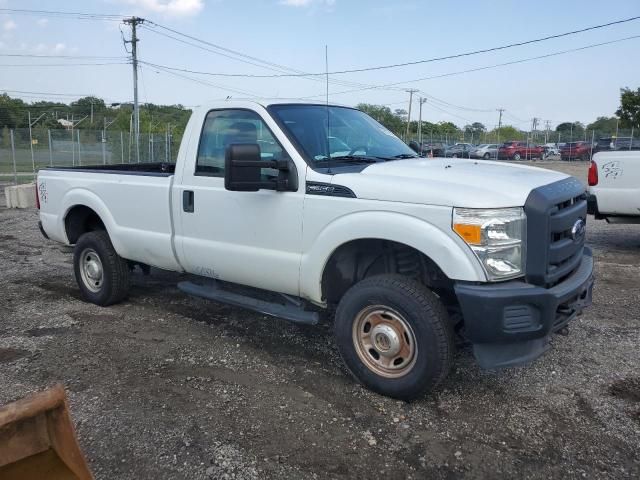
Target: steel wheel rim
{"x":91,"y":270}
{"x":384,"y":341}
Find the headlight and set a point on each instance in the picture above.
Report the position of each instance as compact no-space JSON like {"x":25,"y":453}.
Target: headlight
{"x":496,"y":236}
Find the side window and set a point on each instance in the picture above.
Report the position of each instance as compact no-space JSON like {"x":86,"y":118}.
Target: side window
{"x":227,"y":127}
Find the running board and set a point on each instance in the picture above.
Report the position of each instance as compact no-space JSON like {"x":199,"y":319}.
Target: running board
{"x":213,"y":292}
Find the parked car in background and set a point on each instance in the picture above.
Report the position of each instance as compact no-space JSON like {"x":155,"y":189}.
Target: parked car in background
{"x":551,"y":149}
{"x":614,"y":186}
{"x":576,"y":151}
{"x":485,"y":150}
{"x":616,"y":143}
{"x":519,"y":150}
{"x":459,"y":150}
{"x":434,"y":149}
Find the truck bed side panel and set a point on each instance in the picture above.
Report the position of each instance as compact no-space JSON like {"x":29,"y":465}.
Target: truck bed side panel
{"x":134,"y":209}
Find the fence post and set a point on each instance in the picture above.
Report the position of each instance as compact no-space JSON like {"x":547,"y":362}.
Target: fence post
{"x":104,"y":140}
{"x":50,"y":148}
{"x":79,"y":159}
{"x":13,"y":156}
{"x":631,"y":139}
{"x":593,"y":135}
{"x":121,"y":147}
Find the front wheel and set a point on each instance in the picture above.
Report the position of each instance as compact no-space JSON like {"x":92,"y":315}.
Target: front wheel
{"x":394,"y":336}
{"x":486,"y":156}
{"x":516,"y":156}
{"x":102,"y":275}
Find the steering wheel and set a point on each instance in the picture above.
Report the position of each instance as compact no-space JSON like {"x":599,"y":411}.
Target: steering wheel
{"x":357,"y":149}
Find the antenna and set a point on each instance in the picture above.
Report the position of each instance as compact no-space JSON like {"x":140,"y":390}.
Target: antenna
{"x":326,"y":69}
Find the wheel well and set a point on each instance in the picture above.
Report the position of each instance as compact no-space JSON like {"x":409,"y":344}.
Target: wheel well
{"x":81,"y":219}
{"x":359,"y":259}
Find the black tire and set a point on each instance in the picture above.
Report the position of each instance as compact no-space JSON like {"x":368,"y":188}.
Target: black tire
{"x":486,"y":156}
{"x":112,"y":286}
{"x":516,"y":156}
{"x":428,"y":322}
{"x":455,"y":155}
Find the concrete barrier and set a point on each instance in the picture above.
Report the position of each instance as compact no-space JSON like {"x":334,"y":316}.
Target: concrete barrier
{"x":20,"y":196}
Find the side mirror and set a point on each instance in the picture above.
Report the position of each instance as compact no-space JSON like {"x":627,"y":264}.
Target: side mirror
{"x":243,"y":170}
{"x":413,"y":145}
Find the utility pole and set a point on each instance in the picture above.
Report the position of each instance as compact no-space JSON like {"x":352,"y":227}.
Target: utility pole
{"x":411,"y":91}
{"x":134,"y":22}
{"x":422,"y":101}
{"x":31,"y":124}
{"x":546,"y":132}
{"x":500,"y":110}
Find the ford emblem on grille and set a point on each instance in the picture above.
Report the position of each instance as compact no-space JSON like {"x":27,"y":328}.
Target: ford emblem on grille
{"x":578,"y":229}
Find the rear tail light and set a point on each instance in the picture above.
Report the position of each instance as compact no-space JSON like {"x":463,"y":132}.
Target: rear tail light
{"x":592,"y":178}
{"x":37,"y":197}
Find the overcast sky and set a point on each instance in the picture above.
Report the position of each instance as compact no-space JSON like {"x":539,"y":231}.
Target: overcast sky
{"x":359,"y":33}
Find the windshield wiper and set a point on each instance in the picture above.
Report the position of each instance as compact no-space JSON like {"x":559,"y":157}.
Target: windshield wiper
{"x":406,"y":155}
{"x":350,"y":159}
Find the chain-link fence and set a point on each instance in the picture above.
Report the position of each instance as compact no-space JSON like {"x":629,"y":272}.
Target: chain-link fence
{"x":24,"y":152}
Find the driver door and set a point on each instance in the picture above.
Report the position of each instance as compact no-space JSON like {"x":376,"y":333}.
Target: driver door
{"x":250,"y":238}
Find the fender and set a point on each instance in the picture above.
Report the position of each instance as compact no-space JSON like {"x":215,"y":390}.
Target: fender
{"x":82,"y":196}
{"x":450,"y":253}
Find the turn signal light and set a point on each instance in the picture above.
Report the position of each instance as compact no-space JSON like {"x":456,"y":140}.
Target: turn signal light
{"x":472,"y":234}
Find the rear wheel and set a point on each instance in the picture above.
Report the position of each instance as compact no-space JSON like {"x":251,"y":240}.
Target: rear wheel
{"x":516,"y":156}
{"x":102,"y":275}
{"x":394,"y":336}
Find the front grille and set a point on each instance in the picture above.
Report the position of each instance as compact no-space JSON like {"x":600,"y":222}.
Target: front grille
{"x":552,"y":211}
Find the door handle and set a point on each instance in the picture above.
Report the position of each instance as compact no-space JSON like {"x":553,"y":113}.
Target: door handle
{"x":187,"y":201}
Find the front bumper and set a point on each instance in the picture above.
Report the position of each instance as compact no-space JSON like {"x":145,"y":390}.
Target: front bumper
{"x":510,"y":323}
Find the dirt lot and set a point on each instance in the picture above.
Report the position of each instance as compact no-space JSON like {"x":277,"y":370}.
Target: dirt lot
{"x":167,"y":386}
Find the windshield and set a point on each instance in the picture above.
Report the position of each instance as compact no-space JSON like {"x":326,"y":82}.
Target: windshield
{"x":352,"y":136}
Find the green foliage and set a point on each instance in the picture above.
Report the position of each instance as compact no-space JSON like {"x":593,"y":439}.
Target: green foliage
{"x":475,"y":130}
{"x":575,"y":129}
{"x":385,"y":116}
{"x":629,"y":111}
{"x":604,"y":126}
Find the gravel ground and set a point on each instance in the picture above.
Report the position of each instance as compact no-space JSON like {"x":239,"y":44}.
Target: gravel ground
{"x":167,"y":386}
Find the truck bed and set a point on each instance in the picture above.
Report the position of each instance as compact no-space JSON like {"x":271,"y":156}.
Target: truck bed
{"x":157,"y":169}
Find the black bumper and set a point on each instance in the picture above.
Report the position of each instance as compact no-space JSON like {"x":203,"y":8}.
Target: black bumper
{"x":592,"y":205}
{"x":510,"y":323}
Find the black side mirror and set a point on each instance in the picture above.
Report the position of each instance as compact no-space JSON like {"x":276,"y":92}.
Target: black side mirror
{"x":243,"y":170}
{"x":413,"y":145}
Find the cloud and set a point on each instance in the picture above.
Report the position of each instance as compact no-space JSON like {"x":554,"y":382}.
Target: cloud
{"x":9,"y":25}
{"x":178,"y":8}
{"x":307,"y":3}
{"x":42,"y":22}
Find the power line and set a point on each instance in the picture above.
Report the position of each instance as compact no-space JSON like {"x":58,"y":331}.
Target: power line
{"x":60,"y":14}
{"x":238,"y":56}
{"x":488,"y":67}
{"x":85,"y":57}
{"x":208,"y":84}
{"x":395,"y":65}
{"x":39,"y":65}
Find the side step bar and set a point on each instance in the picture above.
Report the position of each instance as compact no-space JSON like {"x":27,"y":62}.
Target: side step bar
{"x":293,"y":313}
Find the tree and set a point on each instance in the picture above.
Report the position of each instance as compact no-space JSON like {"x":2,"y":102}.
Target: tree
{"x":604,"y":125}
{"x":570,"y":130}
{"x":384,"y":115}
{"x":475,"y":130}
{"x":629,"y":111}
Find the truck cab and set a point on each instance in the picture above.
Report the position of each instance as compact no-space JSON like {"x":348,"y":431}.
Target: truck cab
{"x":318,"y":213}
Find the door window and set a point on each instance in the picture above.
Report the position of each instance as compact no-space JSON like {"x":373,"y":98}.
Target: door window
{"x":227,"y":127}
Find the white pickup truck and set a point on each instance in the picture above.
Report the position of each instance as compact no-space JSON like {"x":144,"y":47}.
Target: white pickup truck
{"x":614,"y":186}
{"x":316,"y":212}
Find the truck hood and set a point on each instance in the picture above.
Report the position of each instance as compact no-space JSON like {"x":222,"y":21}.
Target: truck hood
{"x":449,"y":182}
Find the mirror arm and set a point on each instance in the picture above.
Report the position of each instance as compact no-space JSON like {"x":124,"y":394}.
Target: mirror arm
{"x":282,"y":165}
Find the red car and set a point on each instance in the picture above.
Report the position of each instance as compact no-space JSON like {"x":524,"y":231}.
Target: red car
{"x":519,"y":150}
{"x":576,"y":151}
